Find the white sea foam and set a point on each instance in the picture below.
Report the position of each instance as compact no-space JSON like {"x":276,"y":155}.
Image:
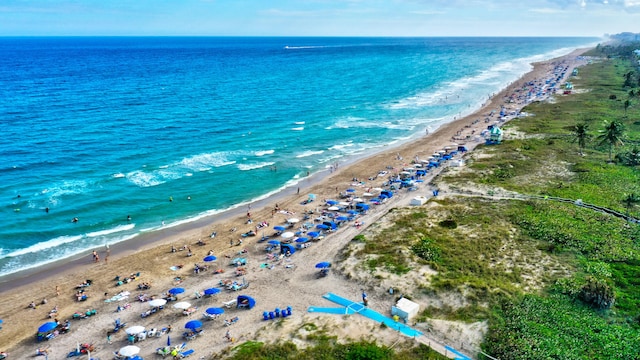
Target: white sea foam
{"x":205,"y":161}
{"x":245,"y":167}
{"x":298,"y":128}
{"x":144,"y":179}
{"x":263,"y":152}
{"x":299,"y":122}
{"x":118,"y":175}
{"x":309,"y":153}
{"x":111,"y":231}
{"x":55,"y":242}
{"x":340,"y":146}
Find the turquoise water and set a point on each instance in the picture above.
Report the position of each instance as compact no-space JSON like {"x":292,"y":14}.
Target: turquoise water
{"x":100,"y":128}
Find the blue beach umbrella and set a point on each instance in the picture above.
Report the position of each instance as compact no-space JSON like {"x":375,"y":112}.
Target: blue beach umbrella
{"x":48,"y":326}
{"x":215,"y":311}
{"x":342,"y":218}
{"x":210,"y":258}
{"x":175,"y":291}
{"x":332,"y":202}
{"x":351,"y":190}
{"x":302,"y":240}
{"x":352,"y":212}
{"x":273,"y":242}
{"x":193,"y":324}
{"x":323,"y":265}
{"x":211,"y":291}
{"x":313,"y":234}
{"x":322,"y":226}
{"x":279,"y":228}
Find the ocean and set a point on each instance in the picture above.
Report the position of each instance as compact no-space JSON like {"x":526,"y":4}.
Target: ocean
{"x":168,"y":130}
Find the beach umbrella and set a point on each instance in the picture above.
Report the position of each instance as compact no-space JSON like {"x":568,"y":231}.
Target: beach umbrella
{"x":322,"y":226}
{"x":377,"y":189}
{"x":302,"y":240}
{"x":351,"y":190}
{"x":182,"y":305}
{"x":343,"y":203}
{"x":287,"y":235}
{"x":313,"y":234}
{"x":342,"y":218}
{"x":273,"y":242}
{"x":323,"y":265}
{"x":279,"y":228}
{"x":193,"y":324}
{"x":214,"y":311}
{"x":210,"y":258}
{"x":134,"y":330}
{"x":175,"y":291}
{"x":48,"y":326}
{"x":157,"y":302}
{"x":333,"y":208}
{"x":331,"y":202}
{"x":129,"y":351}
{"x":211,"y":291}
{"x":293,"y":220}
{"x":358,"y":200}
{"x":352,"y":212}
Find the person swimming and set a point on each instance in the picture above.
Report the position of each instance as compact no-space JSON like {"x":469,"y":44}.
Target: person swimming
{"x":74,"y":220}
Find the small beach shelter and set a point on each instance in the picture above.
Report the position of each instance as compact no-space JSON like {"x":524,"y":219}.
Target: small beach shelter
{"x":405,"y":308}
{"x":418,"y":200}
{"x":302,"y":240}
{"x":323,"y":265}
{"x":313,"y":234}
{"x":362,"y":207}
{"x":322,"y":226}
{"x":330,"y":224}
{"x":244,"y":301}
{"x":284,"y":248}
{"x":134,"y":330}
{"x":210,"y":258}
{"x":48,"y":326}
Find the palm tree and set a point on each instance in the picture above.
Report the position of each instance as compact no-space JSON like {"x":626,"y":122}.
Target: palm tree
{"x":581,"y":135}
{"x":611,"y":135}
{"x":630,"y":201}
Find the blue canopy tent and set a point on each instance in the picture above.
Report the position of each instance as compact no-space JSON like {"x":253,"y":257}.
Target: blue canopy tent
{"x":313,"y":234}
{"x":386,"y":193}
{"x":362,"y":207}
{"x":330,"y":225}
{"x":284,"y":248}
{"x":245,"y":301}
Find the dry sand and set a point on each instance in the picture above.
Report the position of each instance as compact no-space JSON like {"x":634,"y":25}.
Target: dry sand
{"x":290,"y":282}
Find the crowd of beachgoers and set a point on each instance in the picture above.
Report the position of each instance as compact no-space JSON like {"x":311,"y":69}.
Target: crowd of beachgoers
{"x":203,"y":290}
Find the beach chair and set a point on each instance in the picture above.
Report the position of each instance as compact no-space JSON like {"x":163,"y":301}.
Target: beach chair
{"x":186,"y":353}
{"x":230,"y":303}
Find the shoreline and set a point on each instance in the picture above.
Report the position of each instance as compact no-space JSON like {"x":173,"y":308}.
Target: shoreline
{"x":154,"y":246}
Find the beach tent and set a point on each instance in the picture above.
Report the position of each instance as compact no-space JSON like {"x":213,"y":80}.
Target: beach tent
{"x":405,"y":308}
{"x":418,"y":200}
{"x":386,"y":193}
{"x":362,"y":207}
{"x":245,"y":301}
{"x":330,"y":224}
{"x":284,"y":248}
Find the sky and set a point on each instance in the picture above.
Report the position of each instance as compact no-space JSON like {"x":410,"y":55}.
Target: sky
{"x":318,"y":17}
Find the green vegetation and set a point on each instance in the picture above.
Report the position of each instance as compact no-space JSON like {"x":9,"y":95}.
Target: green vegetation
{"x":330,"y":350}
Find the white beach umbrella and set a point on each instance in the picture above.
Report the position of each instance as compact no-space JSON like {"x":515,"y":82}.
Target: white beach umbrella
{"x":358,"y":200}
{"x":367,"y":194}
{"x":182,"y":305}
{"x":377,"y":189}
{"x":333,"y":208}
{"x":287,"y":235}
{"x":293,"y":220}
{"x":343,"y":203}
{"x":157,"y":302}
{"x":134,"y":330}
{"x":129,"y":351}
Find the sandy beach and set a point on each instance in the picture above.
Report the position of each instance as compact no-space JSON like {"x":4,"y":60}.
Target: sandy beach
{"x":272,"y":281}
